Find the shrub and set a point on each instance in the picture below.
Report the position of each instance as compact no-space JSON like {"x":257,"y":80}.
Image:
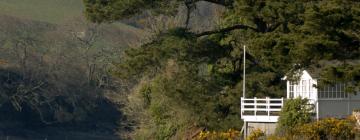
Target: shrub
{"x":295,"y":112}
{"x":256,"y":135}
{"x":231,"y":134}
{"x":275,"y":137}
{"x":329,"y":128}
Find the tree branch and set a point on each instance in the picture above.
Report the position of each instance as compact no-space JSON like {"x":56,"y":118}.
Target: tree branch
{"x":273,"y":27}
{"x":251,"y":58}
{"x":224,"y":30}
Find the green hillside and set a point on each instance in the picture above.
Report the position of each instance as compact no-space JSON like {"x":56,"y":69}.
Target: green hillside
{"x":63,"y":55}
{"x":53,"y":11}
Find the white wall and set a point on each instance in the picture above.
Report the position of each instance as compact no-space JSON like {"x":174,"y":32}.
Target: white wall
{"x":355,"y":101}
{"x":355,"y":97}
{"x":267,"y":128}
{"x":309,"y":92}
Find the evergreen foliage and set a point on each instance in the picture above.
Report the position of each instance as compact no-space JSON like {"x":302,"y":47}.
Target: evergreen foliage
{"x":295,"y":112}
{"x":201,"y":71}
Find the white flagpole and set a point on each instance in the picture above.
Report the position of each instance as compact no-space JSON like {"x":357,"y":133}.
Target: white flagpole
{"x":245,"y":123}
{"x":244,"y":72}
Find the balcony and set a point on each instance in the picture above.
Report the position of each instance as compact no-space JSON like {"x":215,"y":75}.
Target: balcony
{"x":261,"y":109}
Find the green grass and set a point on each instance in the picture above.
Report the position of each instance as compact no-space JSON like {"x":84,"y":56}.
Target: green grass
{"x":52,"y":11}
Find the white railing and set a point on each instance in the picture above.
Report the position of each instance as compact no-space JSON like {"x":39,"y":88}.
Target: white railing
{"x":261,"y":109}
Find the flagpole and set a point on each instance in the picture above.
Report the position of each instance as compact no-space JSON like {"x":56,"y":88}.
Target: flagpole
{"x":244,"y":59}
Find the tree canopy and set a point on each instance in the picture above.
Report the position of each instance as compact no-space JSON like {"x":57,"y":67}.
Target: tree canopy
{"x":112,"y":10}
{"x":202,"y":70}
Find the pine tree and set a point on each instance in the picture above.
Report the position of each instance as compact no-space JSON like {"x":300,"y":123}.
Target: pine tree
{"x":201,"y":71}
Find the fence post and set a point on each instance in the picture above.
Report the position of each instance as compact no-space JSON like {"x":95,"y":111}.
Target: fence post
{"x":255,"y":106}
{"x":242,"y":106}
{"x":268,"y":106}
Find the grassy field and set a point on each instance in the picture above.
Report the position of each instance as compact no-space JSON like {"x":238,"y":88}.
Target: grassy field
{"x":53,"y":11}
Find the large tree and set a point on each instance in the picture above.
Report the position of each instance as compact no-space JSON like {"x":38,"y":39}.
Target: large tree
{"x":279,"y":33}
{"x":282,"y":37}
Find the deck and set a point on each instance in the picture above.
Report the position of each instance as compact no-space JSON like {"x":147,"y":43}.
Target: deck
{"x":261,"y":109}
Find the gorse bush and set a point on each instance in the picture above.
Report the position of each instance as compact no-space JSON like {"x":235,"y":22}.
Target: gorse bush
{"x":296,"y":122}
{"x":231,"y":134}
{"x":256,"y":135}
{"x":329,"y":128}
{"x":325,"y":129}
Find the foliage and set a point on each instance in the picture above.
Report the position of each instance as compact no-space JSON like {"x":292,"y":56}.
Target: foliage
{"x":169,"y":98}
{"x":230,"y":134}
{"x":282,"y":36}
{"x":182,"y":80}
{"x":256,"y":135}
{"x":113,"y":10}
{"x":51,"y":78}
{"x":100,"y":11}
{"x":276,"y":137}
{"x":161,"y":117}
{"x":329,"y":128}
{"x":201,"y":71}
{"x":294,"y":112}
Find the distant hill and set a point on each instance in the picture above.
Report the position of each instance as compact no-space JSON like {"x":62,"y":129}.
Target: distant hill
{"x":40,"y":42}
{"x":54,"y":12}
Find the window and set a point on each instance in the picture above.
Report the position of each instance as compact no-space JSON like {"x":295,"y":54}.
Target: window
{"x":310,"y":86}
{"x":303,"y":88}
{"x":291,"y":90}
{"x":297,"y":90}
{"x":336,"y":91}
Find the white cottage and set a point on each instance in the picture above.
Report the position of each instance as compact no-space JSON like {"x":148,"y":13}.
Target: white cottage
{"x":329,"y":101}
